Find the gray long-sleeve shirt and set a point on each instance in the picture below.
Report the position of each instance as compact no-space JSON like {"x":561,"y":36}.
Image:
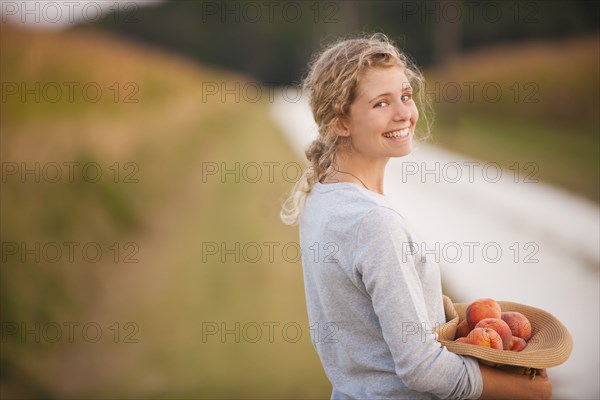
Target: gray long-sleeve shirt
{"x":372,"y":301}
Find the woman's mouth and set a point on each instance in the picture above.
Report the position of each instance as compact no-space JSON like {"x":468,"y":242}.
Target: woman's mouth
{"x":398,"y":135}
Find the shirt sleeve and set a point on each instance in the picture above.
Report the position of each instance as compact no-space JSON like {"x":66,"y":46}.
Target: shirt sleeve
{"x":385,"y":262}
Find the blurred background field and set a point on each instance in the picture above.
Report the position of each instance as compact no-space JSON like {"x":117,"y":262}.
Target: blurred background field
{"x":540,"y":106}
{"x":167,"y":214}
{"x":155,"y":125}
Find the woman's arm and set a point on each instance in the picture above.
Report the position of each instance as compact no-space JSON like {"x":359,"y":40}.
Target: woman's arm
{"x":498,"y":384}
{"x":396,"y":283}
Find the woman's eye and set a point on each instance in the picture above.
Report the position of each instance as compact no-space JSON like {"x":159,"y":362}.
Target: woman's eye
{"x":406,"y":97}
{"x":381,"y":103}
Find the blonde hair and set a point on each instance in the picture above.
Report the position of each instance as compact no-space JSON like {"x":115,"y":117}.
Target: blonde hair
{"x":331,"y":84}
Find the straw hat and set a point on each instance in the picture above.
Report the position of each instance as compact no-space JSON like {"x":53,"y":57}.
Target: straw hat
{"x":550,"y":343}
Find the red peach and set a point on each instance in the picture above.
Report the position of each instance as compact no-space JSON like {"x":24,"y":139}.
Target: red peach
{"x":462,"y":329}
{"x":480,"y":309}
{"x":461,"y":340}
{"x":485,"y":337}
{"x":499,"y":326}
{"x":518,"y":323}
{"x":517,"y":344}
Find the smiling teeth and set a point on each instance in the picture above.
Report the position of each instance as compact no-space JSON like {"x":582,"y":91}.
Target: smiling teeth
{"x":395,"y":134}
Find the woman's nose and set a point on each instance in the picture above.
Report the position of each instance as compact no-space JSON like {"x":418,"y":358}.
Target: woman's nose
{"x":401,"y":112}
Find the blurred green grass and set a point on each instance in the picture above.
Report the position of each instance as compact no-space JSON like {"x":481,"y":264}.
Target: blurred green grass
{"x":548,"y":153}
{"x":171,"y":292}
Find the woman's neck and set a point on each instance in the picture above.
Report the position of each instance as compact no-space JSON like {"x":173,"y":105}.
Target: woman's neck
{"x":367,"y":173}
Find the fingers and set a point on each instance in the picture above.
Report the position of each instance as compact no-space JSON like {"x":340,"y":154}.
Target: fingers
{"x":542,"y":373}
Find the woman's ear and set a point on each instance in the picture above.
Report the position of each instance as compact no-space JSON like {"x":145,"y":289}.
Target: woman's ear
{"x":340,"y":127}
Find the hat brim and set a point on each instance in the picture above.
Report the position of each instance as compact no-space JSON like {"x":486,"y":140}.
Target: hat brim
{"x":550,"y":343}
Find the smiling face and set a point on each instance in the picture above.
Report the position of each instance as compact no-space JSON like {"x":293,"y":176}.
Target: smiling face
{"x":383,"y":116}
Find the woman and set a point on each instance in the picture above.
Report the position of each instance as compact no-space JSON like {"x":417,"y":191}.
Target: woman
{"x":371,"y":302}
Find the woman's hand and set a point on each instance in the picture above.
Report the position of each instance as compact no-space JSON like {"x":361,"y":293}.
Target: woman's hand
{"x":498,"y":384}
{"x":545,"y":387}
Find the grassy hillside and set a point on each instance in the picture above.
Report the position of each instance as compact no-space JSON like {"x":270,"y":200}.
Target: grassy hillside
{"x":171,"y":294}
{"x":533,"y":102}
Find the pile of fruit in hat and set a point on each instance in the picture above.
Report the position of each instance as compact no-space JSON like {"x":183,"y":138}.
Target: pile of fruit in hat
{"x":488,"y":326}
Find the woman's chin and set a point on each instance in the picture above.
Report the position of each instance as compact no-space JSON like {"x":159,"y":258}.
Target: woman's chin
{"x":403,"y":152}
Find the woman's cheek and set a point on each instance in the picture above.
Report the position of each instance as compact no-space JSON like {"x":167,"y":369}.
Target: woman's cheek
{"x":415,"y":113}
